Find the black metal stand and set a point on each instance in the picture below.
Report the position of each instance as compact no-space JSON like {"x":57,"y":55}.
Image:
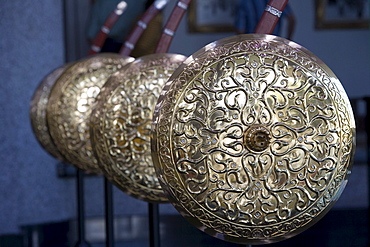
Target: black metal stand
{"x":109,"y":219}
{"x":81,"y":242}
{"x":154,"y":236}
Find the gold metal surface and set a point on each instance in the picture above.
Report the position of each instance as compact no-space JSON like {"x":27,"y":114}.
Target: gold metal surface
{"x":38,"y":112}
{"x":70,"y":104}
{"x":253,"y":139}
{"x":121,"y":124}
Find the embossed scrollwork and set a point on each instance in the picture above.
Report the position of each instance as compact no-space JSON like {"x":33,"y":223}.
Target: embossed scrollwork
{"x":255,"y":134}
{"x":71,"y":101}
{"x":121,"y":125}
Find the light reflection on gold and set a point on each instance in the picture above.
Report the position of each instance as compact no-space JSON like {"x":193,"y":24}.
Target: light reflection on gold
{"x":121,"y":124}
{"x":253,"y":139}
{"x":39,"y":103}
{"x":70,"y":104}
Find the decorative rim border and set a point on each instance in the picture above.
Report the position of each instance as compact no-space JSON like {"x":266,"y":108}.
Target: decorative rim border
{"x":117,"y":83}
{"x":161,"y":147}
{"x":54,"y":108}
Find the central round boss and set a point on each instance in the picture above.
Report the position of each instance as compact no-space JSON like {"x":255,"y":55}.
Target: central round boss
{"x":253,"y":139}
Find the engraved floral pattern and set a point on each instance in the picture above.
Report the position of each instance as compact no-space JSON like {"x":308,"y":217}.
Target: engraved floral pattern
{"x":71,"y":101}
{"x":121,"y":125}
{"x":215,"y":100}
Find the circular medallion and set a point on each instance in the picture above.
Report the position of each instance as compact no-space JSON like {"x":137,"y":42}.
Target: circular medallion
{"x":253,"y":139}
{"x":257,"y":138}
{"x":121,"y":124}
{"x":39,"y":102}
{"x":70,"y":104}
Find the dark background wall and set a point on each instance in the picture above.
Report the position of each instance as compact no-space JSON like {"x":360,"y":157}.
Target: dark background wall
{"x":32,"y":45}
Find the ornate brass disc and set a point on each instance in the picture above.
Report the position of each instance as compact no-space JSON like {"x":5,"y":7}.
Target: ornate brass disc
{"x":70,"y":104}
{"x":39,"y":102}
{"x":253,"y":139}
{"x":121,"y":124}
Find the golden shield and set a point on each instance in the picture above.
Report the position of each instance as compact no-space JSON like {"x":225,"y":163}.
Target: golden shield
{"x":121,"y":124}
{"x":253,"y":139}
{"x":71,"y":101}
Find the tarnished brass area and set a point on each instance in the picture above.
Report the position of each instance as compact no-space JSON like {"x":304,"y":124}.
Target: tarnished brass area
{"x":121,"y":124}
{"x":38,"y":112}
{"x":253,"y":139}
{"x":70,"y":104}
{"x":257,"y":138}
